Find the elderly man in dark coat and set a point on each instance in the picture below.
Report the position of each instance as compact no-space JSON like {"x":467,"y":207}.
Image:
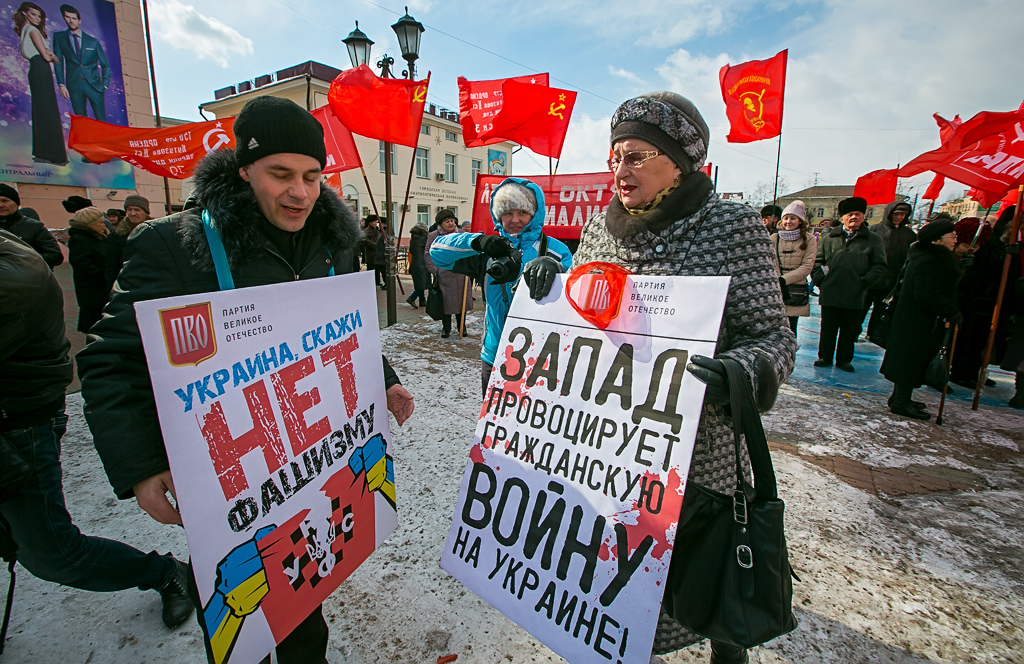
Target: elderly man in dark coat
{"x":894,"y":229}
{"x":925,"y":310}
{"x":28,"y":229}
{"x":850,"y":261}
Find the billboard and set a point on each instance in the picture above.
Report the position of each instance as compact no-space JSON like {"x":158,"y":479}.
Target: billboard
{"x":54,"y":65}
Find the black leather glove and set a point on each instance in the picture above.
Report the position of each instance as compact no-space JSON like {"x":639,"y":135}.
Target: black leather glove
{"x":540,"y":275}
{"x":711,"y":372}
{"x":955,"y":319}
{"x":1013,"y":249}
{"x":494,"y":246}
{"x":967,"y":261}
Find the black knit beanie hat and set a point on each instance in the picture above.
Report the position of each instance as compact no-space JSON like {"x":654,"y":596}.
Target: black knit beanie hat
{"x":852,"y":204}
{"x":271,"y":125}
{"x":7,"y":191}
{"x":668,"y":121}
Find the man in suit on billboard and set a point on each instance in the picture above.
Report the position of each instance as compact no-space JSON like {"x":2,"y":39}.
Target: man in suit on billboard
{"x":83,"y":73}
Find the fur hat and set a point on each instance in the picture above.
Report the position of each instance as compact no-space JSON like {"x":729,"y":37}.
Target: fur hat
{"x":771,"y":211}
{"x":934,"y":230}
{"x":445,"y":213}
{"x":7,"y":191}
{"x":510,"y":195}
{"x":852,"y":204}
{"x":86,"y":217}
{"x":668,"y":121}
{"x":796,"y":208}
{"x":75,"y":203}
{"x":137,"y":201}
{"x":271,"y":125}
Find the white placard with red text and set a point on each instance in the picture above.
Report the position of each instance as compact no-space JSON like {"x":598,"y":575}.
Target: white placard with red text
{"x":273,"y":412}
{"x":568,"y":509}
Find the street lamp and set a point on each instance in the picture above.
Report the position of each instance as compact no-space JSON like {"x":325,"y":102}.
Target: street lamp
{"x":408,"y":31}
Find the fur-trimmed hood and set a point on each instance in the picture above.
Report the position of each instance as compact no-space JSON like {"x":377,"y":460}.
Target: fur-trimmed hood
{"x":234,"y":213}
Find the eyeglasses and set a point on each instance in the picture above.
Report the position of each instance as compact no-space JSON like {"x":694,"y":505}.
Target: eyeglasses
{"x":632,"y":160}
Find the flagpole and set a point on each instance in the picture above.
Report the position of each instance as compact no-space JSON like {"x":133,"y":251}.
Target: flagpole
{"x":983,"y":374}
{"x":369,"y":192}
{"x":156,"y":99}
{"x":778,"y":158}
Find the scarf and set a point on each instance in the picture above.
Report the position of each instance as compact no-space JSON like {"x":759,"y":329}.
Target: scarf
{"x":789,"y":236}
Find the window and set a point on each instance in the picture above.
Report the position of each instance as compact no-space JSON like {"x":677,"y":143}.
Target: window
{"x":423,"y":163}
{"x":475,"y":170}
{"x":450,"y":135}
{"x":450,"y":174}
{"x":871,"y":213}
{"x":423,"y":214}
{"x":394,"y":158}
{"x":425,"y":129}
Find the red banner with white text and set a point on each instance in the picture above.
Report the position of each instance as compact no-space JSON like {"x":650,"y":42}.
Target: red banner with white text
{"x":170,"y":152}
{"x":479,"y":102}
{"x":570,"y":200}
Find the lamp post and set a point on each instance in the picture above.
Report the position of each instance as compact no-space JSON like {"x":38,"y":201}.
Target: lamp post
{"x":408,"y":30}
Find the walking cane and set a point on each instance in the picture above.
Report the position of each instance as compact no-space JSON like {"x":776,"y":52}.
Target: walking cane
{"x":462,"y":319}
{"x":942,"y":401}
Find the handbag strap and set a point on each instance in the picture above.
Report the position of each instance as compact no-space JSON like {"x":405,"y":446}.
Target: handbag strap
{"x":746,"y":423}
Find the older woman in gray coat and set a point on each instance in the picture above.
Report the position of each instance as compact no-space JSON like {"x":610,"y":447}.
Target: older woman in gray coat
{"x":667,"y":220}
{"x":452,"y":285}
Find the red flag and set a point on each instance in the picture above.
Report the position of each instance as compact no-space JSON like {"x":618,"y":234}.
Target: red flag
{"x":877,"y":187}
{"x":342,"y":154}
{"x":388,"y":109}
{"x":706,"y":170}
{"x":935,"y":188}
{"x":479,"y":101}
{"x":754,"y":93}
{"x":993,"y":164}
{"x":170,"y":152}
{"x":946,"y":127}
{"x":534,"y":116}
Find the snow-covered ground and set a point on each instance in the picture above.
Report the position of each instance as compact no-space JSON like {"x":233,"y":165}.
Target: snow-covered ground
{"x":924,"y":578}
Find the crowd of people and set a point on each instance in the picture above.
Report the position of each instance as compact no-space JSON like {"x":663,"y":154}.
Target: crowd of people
{"x":279,"y":223}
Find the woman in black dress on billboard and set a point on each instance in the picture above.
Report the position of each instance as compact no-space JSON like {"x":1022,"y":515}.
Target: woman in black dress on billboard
{"x":47,"y":133}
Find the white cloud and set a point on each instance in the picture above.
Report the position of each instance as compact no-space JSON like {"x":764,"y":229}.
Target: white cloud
{"x":628,"y":75}
{"x":184,"y":27}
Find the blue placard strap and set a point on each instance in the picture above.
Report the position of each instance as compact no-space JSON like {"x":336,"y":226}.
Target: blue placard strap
{"x":219,"y":255}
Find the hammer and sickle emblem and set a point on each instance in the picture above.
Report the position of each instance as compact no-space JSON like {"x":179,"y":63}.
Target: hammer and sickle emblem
{"x":554,"y":110}
{"x":419,"y":95}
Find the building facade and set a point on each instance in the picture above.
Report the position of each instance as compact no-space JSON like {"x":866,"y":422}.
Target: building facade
{"x":958,"y":208}
{"x":822,"y":202}
{"x":441,"y":172}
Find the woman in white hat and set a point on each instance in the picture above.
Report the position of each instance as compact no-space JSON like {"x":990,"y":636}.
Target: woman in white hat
{"x":795,"y":249}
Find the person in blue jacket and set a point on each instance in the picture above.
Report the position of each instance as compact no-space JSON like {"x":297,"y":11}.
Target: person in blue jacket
{"x":517,"y":209}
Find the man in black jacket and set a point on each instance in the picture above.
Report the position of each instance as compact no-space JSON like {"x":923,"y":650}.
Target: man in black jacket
{"x":896,"y":235}
{"x":30,"y":230}
{"x":34,"y":371}
{"x":278,"y":223}
{"x":849,"y":263}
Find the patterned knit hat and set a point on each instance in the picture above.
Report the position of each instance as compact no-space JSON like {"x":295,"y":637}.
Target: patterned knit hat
{"x":271,"y":125}
{"x":86,"y":217}
{"x":668,"y":121}
{"x":510,"y":195}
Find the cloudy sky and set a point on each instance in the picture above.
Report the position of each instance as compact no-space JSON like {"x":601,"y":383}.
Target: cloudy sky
{"x":864,"y":77}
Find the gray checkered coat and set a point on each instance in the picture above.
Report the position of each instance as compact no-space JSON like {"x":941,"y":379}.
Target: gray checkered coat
{"x":720,"y":239}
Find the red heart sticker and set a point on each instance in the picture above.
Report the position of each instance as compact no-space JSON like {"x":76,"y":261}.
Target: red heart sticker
{"x":600,"y":292}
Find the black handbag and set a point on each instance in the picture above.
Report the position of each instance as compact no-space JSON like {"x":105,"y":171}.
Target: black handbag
{"x":730,"y":578}
{"x":883,"y":330}
{"x":435,"y":300}
{"x":795,"y":295}
{"x":936,"y":374}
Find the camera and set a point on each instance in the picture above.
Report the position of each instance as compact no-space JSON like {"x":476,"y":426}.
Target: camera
{"x":506,"y":268}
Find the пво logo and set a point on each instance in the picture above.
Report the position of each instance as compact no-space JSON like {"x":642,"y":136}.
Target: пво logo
{"x":188,"y":334}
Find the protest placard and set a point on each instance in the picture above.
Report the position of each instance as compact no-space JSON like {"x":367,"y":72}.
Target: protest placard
{"x":568,"y":509}
{"x":275,"y":421}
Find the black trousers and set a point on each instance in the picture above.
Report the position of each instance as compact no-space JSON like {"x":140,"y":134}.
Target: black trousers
{"x":842,"y":322}
{"x":446,"y":322}
{"x":792,"y":323}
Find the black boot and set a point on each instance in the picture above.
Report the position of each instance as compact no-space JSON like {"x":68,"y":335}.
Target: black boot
{"x":723,"y":653}
{"x":411,"y":301}
{"x":1017,"y":401}
{"x":177,"y":605}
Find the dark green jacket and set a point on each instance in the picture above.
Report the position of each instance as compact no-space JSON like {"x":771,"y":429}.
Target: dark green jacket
{"x":168,"y":257}
{"x":846,"y":269}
